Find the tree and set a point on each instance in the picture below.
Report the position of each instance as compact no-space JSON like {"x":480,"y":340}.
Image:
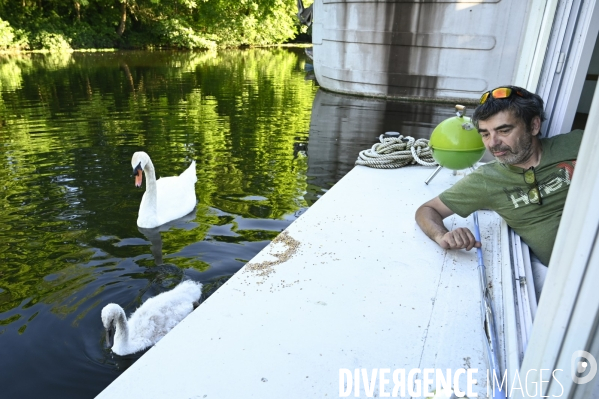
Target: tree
{"x":121,"y":28}
{"x":151,"y":23}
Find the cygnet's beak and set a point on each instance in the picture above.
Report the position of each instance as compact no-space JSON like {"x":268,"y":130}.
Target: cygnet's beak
{"x":110,"y":337}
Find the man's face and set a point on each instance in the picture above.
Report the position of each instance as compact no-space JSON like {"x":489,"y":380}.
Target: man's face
{"x":507,"y":138}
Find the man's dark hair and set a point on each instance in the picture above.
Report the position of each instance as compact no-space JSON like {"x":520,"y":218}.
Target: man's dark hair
{"x":522,"y":103}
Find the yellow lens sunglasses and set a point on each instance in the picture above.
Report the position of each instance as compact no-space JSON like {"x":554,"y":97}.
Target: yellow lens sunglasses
{"x":500,"y":92}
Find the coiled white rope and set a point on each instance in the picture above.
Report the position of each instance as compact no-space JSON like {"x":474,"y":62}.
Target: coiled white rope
{"x":395,"y":152}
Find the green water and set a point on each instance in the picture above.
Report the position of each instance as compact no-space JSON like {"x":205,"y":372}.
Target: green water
{"x":69,"y":243}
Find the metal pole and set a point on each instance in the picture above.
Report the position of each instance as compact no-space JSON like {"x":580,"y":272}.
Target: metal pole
{"x":433,"y":175}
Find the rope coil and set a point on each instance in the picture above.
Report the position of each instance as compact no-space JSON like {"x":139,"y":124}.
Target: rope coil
{"x":395,"y":152}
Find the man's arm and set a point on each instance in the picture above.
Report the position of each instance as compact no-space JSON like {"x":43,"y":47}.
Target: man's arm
{"x":430,"y":217}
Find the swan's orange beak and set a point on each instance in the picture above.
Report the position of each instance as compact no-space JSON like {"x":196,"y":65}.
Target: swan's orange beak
{"x":138,"y":178}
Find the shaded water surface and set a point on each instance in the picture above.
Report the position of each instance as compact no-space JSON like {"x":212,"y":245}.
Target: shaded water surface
{"x":267,"y":145}
{"x":69,"y":243}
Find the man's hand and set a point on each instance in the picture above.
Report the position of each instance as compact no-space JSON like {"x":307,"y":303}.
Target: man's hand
{"x":460,"y":238}
{"x":430,"y":219}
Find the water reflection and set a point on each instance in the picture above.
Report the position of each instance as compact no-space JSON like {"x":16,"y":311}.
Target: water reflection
{"x":154,"y":235}
{"x":164,"y":276}
{"x":69,"y":243}
{"x":341,"y":126}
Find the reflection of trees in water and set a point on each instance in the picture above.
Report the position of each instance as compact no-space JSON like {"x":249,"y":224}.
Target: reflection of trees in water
{"x":11,"y":74}
{"x":68,"y":127}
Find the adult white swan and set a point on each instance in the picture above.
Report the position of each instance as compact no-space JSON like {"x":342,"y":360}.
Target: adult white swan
{"x":150,"y":322}
{"x":165,"y":199}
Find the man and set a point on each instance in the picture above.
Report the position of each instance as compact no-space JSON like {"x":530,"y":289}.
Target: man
{"x":527,"y":184}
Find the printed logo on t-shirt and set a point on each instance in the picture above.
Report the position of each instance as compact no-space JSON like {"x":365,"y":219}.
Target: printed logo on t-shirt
{"x":558,"y":180}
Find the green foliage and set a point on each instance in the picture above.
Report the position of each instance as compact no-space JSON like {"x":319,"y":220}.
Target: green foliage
{"x":175,"y":33}
{"x":82,"y":35}
{"x":50,"y":41}
{"x":7,"y":34}
{"x":248,"y":22}
{"x":9,"y":38}
{"x":180,"y":24}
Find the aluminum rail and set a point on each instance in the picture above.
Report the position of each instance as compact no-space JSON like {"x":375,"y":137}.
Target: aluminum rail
{"x":488,"y":320}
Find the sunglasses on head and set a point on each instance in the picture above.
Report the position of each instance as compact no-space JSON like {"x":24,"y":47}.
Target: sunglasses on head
{"x":500,"y":92}
{"x":534,"y":194}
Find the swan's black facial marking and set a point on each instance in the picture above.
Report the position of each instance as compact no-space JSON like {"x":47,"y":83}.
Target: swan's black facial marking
{"x":137,"y":168}
{"x":110,"y":331}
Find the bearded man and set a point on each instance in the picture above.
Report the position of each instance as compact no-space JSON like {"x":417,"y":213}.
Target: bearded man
{"x":526,"y":184}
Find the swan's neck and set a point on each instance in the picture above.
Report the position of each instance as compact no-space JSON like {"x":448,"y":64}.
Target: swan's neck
{"x":151,"y":191}
{"x":122,"y":330}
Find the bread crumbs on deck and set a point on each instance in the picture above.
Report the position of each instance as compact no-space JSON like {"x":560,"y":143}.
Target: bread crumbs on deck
{"x":266,"y":268}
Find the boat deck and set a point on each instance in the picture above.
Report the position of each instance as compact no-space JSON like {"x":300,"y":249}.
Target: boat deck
{"x":352,"y":284}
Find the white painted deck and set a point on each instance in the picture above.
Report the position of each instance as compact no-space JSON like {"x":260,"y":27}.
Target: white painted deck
{"x":364,"y":289}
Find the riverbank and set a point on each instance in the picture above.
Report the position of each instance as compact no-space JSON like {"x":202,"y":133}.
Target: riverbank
{"x":148,"y":26}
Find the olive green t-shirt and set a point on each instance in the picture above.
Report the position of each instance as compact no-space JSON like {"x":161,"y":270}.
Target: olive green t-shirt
{"x":502,"y":189}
